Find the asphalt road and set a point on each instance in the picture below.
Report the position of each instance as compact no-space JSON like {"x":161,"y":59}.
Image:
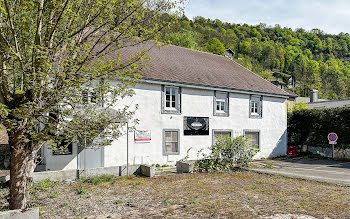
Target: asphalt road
{"x":329,"y":171}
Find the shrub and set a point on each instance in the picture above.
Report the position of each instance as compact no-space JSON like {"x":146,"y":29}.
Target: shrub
{"x":226,"y":154}
{"x":311,"y":127}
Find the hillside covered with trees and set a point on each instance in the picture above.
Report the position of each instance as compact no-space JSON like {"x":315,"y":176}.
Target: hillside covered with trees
{"x":303,"y":59}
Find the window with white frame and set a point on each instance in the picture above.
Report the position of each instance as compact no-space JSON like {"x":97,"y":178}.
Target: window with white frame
{"x":171,"y":100}
{"x":170,"y":97}
{"x":253,"y":138}
{"x":221,"y":134}
{"x":255,"y":110}
{"x":171,"y":142}
{"x":221,"y":104}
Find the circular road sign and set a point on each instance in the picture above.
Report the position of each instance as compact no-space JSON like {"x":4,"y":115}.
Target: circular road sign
{"x":332,"y":137}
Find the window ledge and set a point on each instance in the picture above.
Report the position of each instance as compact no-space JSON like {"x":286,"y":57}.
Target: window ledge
{"x":221,"y":113}
{"x":167,"y":111}
{"x":252,"y":116}
{"x":171,"y":153}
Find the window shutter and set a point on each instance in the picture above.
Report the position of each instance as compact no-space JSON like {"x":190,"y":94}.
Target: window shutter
{"x":178,"y":100}
{"x":162,"y":99}
{"x":227,"y":104}
{"x":260,"y":110}
{"x":214,"y":104}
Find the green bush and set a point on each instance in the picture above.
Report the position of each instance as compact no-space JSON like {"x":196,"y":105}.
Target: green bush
{"x":312,"y":126}
{"x":226,"y":154}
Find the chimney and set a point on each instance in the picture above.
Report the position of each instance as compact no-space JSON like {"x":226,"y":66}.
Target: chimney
{"x":313,"y":96}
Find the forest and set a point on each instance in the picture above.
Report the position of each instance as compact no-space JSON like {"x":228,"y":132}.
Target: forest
{"x":302,"y":59}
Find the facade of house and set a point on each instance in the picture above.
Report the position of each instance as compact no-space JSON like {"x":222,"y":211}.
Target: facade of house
{"x":185,"y":100}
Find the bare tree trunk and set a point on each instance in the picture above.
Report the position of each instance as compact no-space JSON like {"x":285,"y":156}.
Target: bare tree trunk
{"x":22,"y":168}
{"x":18,"y":179}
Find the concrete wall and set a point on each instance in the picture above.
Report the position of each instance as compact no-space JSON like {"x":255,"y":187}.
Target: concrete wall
{"x":60,"y":162}
{"x":339,"y":153}
{"x":197,"y":103}
{"x":31,"y":213}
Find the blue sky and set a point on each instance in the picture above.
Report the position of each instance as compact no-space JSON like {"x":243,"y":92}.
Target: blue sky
{"x":331,"y":16}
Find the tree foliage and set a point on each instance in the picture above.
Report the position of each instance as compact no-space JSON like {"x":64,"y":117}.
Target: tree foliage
{"x":56,"y":76}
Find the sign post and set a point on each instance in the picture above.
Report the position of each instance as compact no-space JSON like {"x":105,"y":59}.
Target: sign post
{"x":332,"y":138}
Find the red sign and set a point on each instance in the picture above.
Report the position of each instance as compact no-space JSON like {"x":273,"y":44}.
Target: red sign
{"x":333,"y":137}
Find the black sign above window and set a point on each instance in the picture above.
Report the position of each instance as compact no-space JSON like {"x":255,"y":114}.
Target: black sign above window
{"x":196,"y":125}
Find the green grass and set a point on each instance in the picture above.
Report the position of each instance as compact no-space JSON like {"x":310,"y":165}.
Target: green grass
{"x":82,"y":191}
{"x":117,"y":202}
{"x":98,"y":180}
{"x":269,"y":166}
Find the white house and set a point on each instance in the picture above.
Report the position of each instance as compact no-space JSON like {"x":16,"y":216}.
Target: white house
{"x":185,"y":99}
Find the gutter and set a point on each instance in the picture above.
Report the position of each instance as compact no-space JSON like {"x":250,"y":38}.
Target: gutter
{"x":177,"y":84}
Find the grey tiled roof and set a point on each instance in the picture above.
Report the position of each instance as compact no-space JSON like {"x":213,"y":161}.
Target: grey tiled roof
{"x":176,"y":64}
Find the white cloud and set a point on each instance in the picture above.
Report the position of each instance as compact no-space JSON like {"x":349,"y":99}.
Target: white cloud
{"x":329,"y":16}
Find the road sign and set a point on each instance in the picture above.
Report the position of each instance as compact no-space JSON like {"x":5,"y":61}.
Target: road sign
{"x":332,"y":137}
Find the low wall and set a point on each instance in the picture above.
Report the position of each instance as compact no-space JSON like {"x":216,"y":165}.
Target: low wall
{"x":32,"y":213}
{"x":186,"y":166}
{"x":339,"y":153}
{"x":63,"y":175}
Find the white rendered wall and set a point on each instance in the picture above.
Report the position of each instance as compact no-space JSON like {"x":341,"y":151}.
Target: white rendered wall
{"x":197,"y":103}
{"x":60,"y":162}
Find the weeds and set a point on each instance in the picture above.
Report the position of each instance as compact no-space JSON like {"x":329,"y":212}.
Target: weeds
{"x":269,"y":166}
{"x":82,"y":191}
{"x":117,"y":202}
{"x":53,"y":195}
{"x":134,"y":184}
{"x":98,"y":180}
{"x":43,"y":185}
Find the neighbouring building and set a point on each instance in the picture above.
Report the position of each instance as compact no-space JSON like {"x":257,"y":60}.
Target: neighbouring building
{"x":186,"y":98}
{"x":313,"y":102}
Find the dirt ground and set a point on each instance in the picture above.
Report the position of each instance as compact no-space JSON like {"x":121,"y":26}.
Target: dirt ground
{"x":232,"y":195}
